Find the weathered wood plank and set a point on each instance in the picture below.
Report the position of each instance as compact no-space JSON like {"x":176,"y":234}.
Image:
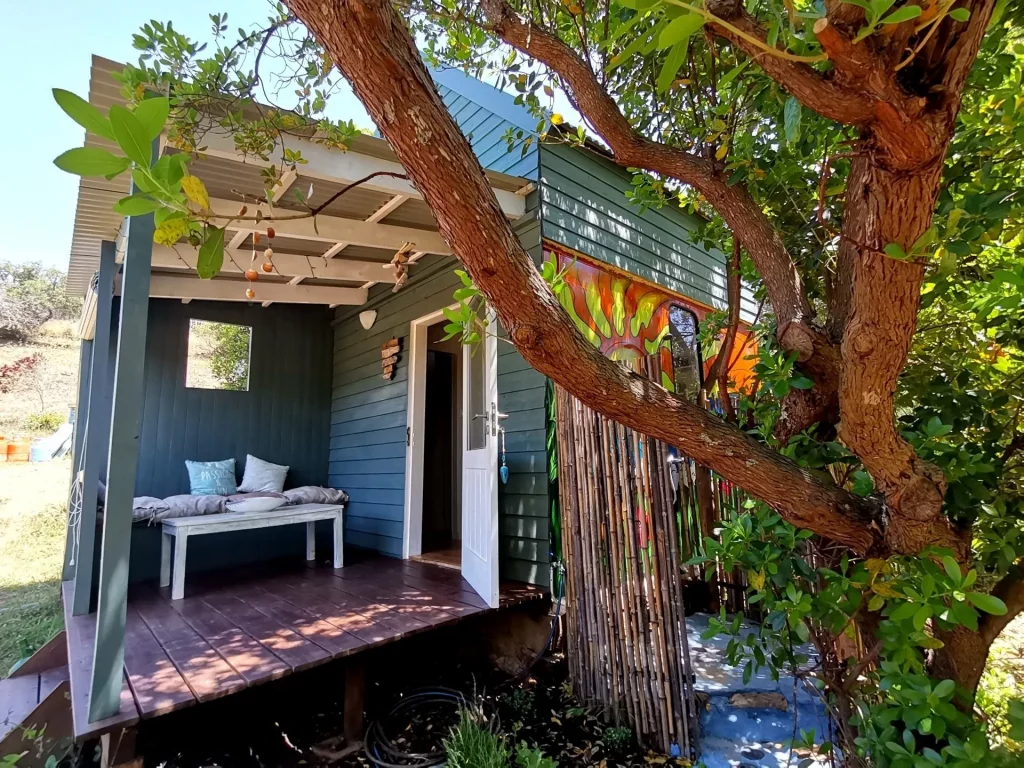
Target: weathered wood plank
{"x":52,"y":655}
{"x":81,"y":634}
{"x":206,"y":673}
{"x":156,"y":683}
{"x":18,"y":697}
{"x":335,"y":641}
{"x":254,"y":662}
{"x":285,"y":643}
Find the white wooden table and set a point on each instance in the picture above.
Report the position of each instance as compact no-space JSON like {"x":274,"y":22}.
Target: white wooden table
{"x":181,"y":528}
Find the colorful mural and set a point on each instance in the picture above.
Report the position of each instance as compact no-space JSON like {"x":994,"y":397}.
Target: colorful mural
{"x":629,"y":320}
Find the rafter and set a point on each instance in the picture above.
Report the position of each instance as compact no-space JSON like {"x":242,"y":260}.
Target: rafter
{"x":287,"y":265}
{"x":181,"y":287}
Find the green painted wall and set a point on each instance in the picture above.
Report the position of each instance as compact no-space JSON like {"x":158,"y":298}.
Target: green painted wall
{"x":583,"y":206}
{"x":369,"y":420}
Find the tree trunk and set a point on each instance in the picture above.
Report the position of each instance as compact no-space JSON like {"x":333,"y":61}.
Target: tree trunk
{"x":372,"y":46}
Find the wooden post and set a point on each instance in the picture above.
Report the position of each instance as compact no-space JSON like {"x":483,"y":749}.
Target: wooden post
{"x":108,"y":659}
{"x":78,"y":448}
{"x":355,"y":691}
{"x":96,"y":431}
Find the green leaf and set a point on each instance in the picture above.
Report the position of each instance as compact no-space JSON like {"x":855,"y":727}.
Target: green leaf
{"x":211,"y":254}
{"x":83,"y":113}
{"x":152,"y":116}
{"x":131,"y":136}
{"x":952,"y":570}
{"x":792,"y":114}
{"x":906,"y":13}
{"x":987,"y":603}
{"x":679,"y":29}
{"x":903,"y":611}
{"x":895,"y":251}
{"x":92,"y":161}
{"x":135,"y":205}
{"x":729,"y":76}
{"x":944,"y":689}
{"x":675,"y":58}
{"x":960,"y":14}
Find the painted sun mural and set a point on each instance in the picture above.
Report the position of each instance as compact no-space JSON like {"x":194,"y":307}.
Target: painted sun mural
{"x":630,"y":320}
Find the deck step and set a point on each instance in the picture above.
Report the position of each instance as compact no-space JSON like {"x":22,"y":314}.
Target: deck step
{"x":35,"y":716}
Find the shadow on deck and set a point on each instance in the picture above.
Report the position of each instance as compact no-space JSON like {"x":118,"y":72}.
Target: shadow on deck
{"x":236,"y":630}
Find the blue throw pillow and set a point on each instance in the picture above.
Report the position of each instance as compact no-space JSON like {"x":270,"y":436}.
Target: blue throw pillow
{"x":212,"y":478}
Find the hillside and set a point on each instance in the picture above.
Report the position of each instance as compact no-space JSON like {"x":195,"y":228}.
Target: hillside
{"x":49,"y":388}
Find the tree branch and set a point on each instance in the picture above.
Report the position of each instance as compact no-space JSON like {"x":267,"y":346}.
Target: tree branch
{"x":375,"y":52}
{"x":1009,"y":589}
{"x":796,"y":329}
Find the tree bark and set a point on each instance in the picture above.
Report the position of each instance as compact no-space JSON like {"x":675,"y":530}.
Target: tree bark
{"x":372,"y":46}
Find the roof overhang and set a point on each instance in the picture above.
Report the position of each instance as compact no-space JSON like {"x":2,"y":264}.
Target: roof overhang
{"x":333,"y":261}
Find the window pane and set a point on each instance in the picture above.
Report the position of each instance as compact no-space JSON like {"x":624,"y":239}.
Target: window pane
{"x":685,"y":352}
{"x":476,"y":432}
{"x":218,"y":356}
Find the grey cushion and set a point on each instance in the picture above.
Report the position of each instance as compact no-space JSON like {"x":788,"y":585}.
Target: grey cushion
{"x":314,"y":494}
{"x":261,"y":475}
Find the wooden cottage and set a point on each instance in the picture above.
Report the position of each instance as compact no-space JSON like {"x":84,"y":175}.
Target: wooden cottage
{"x":442,"y":454}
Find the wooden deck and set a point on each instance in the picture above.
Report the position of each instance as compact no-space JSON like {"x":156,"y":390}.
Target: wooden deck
{"x":233,"y":632}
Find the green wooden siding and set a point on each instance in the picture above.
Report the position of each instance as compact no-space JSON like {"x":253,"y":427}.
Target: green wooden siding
{"x":369,"y":420}
{"x":585,"y":208}
{"x":523,"y":505}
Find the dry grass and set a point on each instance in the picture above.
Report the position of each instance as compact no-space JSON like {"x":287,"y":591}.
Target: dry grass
{"x":33,"y":500}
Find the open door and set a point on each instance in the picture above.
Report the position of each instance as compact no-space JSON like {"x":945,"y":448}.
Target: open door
{"x":480,"y":469}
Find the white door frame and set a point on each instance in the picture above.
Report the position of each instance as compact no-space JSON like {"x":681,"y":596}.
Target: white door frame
{"x":416,"y":414}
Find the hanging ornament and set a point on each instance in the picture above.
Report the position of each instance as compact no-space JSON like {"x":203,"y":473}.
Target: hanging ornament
{"x":400,"y":265}
{"x":250,"y":294}
{"x":503,"y":469}
{"x":252,"y":275}
{"x":267,"y":267}
{"x":270,"y":232}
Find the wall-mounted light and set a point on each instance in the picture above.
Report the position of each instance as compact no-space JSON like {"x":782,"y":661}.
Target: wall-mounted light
{"x":367,"y":319}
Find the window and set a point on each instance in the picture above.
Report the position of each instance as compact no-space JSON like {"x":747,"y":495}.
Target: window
{"x":218,"y":356}
{"x":685,"y":351}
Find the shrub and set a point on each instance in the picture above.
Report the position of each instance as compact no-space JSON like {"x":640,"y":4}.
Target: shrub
{"x":473,"y":743}
{"x":617,"y":739}
{"x":531,"y":757}
{"x":520,"y":702}
{"x":13,"y":375}
{"x":19,"y":317}
{"x":44,"y":422}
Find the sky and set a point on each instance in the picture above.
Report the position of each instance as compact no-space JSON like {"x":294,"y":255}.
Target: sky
{"x":53,"y":50}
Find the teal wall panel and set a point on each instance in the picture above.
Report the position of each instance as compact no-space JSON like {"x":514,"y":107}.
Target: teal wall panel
{"x":583,"y":206}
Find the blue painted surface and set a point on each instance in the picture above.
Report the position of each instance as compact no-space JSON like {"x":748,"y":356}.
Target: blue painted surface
{"x":284,"y":418}
{"x":741,"y":737}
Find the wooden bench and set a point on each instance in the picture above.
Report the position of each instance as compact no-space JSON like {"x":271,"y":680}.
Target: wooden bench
{"x":181,"y":528}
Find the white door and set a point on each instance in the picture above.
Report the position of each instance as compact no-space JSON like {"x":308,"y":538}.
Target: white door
{"x":480,"y":468}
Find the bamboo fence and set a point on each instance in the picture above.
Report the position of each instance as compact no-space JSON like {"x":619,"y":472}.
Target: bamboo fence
{"x":623,"y":542}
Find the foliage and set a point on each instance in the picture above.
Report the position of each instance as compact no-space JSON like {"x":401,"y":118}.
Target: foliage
{"x":475,"y":743}
{"x":520,"y":702}
{"x":617,"y":739}
{"x":13,"y":375}
{"x":531,"y":757}
{"x":47,"y":421}
{"x":230,"y":358}
{"x":19,"y":318}
{"x":43,"y":288}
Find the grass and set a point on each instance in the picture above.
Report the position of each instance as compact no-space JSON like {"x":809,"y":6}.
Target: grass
{"x":1002,"y":682}
{"x":32,"y":529}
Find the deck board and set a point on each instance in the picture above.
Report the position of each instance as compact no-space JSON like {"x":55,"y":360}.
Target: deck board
{"x":81,"y":634}
{"x":249,"y":626}
{"x":203,"y":669}
{"x":156,"y":683}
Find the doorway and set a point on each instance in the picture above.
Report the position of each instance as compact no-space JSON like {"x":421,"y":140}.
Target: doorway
{"x":441,"y":535}
{"x":451,"y":462}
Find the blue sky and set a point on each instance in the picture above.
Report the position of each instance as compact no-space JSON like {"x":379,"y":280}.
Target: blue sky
{"x":53,"y":49}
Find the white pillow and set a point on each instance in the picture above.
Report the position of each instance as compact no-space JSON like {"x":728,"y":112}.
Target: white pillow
{"x":261,"y":475}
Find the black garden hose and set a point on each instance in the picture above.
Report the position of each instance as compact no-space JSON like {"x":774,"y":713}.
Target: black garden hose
{"x":382,"y":751}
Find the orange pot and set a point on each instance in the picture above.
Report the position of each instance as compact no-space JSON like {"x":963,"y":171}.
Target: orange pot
{"x":18,"y":450}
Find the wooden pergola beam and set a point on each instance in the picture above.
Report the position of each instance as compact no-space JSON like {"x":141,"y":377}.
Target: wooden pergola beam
{"x":287,"y":265}
{"x":334,"y":229}
{"x":181,"y":287}
{"x":344,"y":167}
